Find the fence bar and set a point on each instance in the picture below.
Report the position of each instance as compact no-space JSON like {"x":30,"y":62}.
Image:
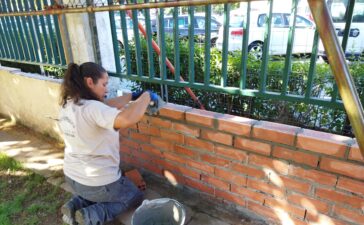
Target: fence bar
{"x":41,"y":53}
{"x":137,"y":41}
{"x":161,"y":42}
{"x":288,"y":58}
{"x":265,"y":57}
{"x":33,"y":48}
{"x":312,"y":69}
{"x":45,"y":36}
{"x":207,"y":44}
{"x":225,"y":44}
{"x":54,"y":57}
{"x":115,"y":41}
{"x":18,"y":31}
{"x":125,"y":40}
{"x":5,"y":39}
{"x":23,"y":29}
{"x":11,"y":27}
{"x":349,"y":16}
{"x":149,"y":43}
{"x":60,"y":48}
{"x":244,"y":53}
{"x":191,"y":44}
{"x":340,"y":69}
{"x":177,"y":67}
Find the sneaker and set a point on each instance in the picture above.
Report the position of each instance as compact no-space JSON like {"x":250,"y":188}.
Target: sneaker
{"x":68,"y":211}
{"x":79,"y":217}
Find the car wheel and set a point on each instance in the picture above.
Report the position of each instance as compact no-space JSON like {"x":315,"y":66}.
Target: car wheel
{"x":256,"y":50}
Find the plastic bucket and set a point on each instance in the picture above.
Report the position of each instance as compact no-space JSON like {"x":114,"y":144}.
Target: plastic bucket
{"x":162,"y":211}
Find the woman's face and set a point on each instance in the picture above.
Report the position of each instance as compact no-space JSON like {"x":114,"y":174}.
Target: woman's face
{"x":100,"y":87}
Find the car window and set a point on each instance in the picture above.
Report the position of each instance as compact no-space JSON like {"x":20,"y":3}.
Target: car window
{"x":214,"y":25}
{"x":339,"y":14}
{"x":200,"y":23}
{"x":236,"y":21}
{"x":277,"y":20}
{"x":300,"y":21}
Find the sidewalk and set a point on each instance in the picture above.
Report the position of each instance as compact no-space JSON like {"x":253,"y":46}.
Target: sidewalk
{"x":44,"y":156}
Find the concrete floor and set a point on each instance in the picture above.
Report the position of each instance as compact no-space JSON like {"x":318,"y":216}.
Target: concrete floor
{"x":44,"y":156}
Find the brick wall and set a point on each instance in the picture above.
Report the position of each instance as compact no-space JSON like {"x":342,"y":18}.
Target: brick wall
{"x":284,"y":173}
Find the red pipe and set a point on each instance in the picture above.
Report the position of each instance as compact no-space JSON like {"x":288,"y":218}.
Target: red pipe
{"x":168,"y":63}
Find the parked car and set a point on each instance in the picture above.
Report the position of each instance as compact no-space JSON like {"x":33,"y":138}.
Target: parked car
{"x":199,"y":26}
{"x":303,"y":39}
{"x":355,"y":44}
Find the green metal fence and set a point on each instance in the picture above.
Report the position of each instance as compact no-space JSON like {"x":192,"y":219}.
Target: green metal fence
{"x":31,"y":34}
{"x":30,"y":39}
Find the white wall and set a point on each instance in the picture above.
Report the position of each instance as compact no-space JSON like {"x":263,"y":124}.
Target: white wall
{"x":30,"y":99}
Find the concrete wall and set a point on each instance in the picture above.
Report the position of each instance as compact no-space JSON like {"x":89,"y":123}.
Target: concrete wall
{"x":30,"y":99}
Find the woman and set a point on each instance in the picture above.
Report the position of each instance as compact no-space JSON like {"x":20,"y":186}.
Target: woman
{"x":90,"y":127}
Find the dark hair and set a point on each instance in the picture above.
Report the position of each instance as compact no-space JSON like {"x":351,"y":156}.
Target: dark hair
{"x":74,"y":87}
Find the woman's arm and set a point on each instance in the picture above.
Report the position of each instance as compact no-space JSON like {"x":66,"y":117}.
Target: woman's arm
{"x":119,"y":102}
{"x":133,"y":113}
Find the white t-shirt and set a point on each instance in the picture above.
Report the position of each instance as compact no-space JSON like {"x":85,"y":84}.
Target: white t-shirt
{"x":92,"y":145}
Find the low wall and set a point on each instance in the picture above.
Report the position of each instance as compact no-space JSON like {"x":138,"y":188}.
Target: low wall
{"x":283,"y":173}
{"x":30,"y":99}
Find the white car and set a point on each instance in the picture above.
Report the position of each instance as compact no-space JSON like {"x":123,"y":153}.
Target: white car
{"x":303,"y":39}
{"x":355,"y":44}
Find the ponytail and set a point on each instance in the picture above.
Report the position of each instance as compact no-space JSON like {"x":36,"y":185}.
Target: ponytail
{"x":74,"y":87}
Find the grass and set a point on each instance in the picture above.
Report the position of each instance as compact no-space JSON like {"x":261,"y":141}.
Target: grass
{"x":26,"y":198}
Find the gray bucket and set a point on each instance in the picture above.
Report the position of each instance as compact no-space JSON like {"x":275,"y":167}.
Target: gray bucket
{"x":162,"y":211}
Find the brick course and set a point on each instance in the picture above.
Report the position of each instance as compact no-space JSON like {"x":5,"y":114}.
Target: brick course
{"x":283,"y":173}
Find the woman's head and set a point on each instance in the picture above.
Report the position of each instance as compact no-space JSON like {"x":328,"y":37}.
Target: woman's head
{"x":86,"y":81}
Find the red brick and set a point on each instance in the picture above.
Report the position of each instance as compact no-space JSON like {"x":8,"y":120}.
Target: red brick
{"x":215,"y":182}
{"x":147,"y":129}
{"x":152,"y":168}
{"x":141,"y":155}
{"x":349,"y":215}
{"x":129,"y":143}
{"x":230,"y":197}
{"x":218,"y":137}
{"x":173,"y":111}
{"x":189,"y":173}
{"x":289,"y":183}
{"x":172,"y":136}
{"x":355,"y":153}
{"x":266,"y":188}
{"x":230,"y":177}
{"x":283,"y":205}
{"x":201,"y":117}
{"x":158,"y":122}
{"x":215,"y":160}
{"x":252,"y":172}
{"x":185,"y":151}
{"x":268,"y":163}
{"x":313,"y":175}
{"x":200,"y":166}
{"x":275,"y":132}
{"x":325,"y":143}
{"x":354,"y":186}
{"x":295,"y":156}
{"x":231,"y":153}
{"x":126,"y":149}
{"x":161,"y":143}
{"x":235,"y":125}
{"x":263,"y":211}
{"x":254,"y":146}
{"x":145,"y":119}
{"x":342,"y":167}
{"x":124,"y":132}
{"x":174,"y":158}
{"x":140,"y":137}
{"x":321,"y":219}
{"x":151,"y":149}
{"x":199,"y":186}
{"x":340,"y":198}
{"x":308,"y":203}
{"x":197,"y":143}
{"x":247,"y":193}
{"x":187,"y":129}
